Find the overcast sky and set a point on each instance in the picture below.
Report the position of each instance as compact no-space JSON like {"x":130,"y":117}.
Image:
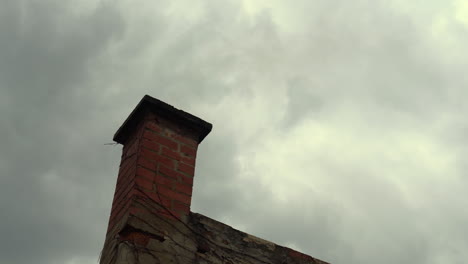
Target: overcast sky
{"x":340,"y":127}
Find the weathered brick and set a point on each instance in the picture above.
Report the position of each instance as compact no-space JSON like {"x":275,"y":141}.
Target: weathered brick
{"x":150,"y":145}
{"x":183,"y":188}
{"x":170,"y":153}
{"x":158,"y":198}
{"x":126,"y":177}
{"x":187,"y":180}
{"x":157,"y":158}
{"x":153,"y":126}
{"x":185,"y":140}
{"x":135,"y":210}
{"x":149,"y":175}
{"x":137,"y":238}
{"x":131,"y":149}
{"x":298,"y":255}
{"x":174,"y":195}
{"x":144,"y":162}
{"x":127,"y":163}
{"x":180,"y":207}
{"x":144,"y":183}
{"x":186,"y":169}
{"x":121,"y":194}
{"x":170,"y":172}
{"x":192,"y":152}
{"x":130,"y":146}
{"x":188,"y":160}
{"x":124,"y":190}
{"x":166,"y":202}
{"x":160,"y":139}
{"x":170,"y":216}
{"x":120,"y":210}
{"x":161,"y":180}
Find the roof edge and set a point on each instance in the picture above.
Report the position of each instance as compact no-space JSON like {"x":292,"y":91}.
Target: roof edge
{"x":167,"y":111}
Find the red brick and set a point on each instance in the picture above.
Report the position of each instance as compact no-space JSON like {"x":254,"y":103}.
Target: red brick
{"x":123,"y":188}
{"x":127,"y":167}
{"x":160,"y":139}
{"x":118,"y":205}
{"x":186,"y":169}
{"x":188,"y":160}
{"x":185,"y":140}
{"x":135,"y":210}
{"x":165,"y":181}
{"x":146,"y":163}
{"x":149,"y":175}
{"x":169,"y":216}
{"x":157,"y":158}
{"x":187,"y":180}
{"x":148,"y":134}
{"x":184,"y":188}
{"x":171,"y":154}
{"x":144,"y":183}
{"x":166,"y":202}
{"x":170,"y":172}
{"x":132,"y":149}
{"x":129,"y":146}
{"x":126,"y":177}
{"x":122,"y":193}
{"x":160,"y":199}
{"x":125,"y":203}
{"x":299,"y":255}
{"x":166,"y":161}
{"x":188,"y":150}
{"x":131,"y":193}
{"x":124,"y":184}
{"x":151,"y":145}
{"x":180,"y":207}
{"x":127,"y":163}
{"x":137,"y":238}
{"x":153,"y":126}
{"x":124,"y":159}
{"x":119,"y":212}
{"x":174,"y":195}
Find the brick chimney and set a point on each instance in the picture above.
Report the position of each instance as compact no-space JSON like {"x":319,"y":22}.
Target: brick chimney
{"x":157,"y":167}
{"x":151,"y":221}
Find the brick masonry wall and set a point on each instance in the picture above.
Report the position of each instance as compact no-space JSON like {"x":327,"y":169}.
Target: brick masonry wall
{"x":157,"y":240}
{"x":159,"y":163}
{"x":157,"y":166}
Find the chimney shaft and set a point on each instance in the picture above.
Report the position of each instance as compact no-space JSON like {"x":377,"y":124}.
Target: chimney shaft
{"x":150,"y":220}
{"x":158,"y":162}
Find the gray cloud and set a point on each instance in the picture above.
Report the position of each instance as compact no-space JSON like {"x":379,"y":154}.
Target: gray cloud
{"x":339,"y":127}
{"x":49,"y":166}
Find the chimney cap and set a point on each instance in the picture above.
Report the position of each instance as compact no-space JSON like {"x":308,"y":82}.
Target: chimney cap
{"x":162,"y":109}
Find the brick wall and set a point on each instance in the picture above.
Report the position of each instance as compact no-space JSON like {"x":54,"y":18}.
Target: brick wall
{"x":157,"y":166}
{"x":158,"y":163}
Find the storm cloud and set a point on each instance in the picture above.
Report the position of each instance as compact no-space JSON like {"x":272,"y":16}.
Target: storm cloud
{"x":339,"y":126}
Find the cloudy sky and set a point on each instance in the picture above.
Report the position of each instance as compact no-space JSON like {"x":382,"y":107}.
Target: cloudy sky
{"x":340,"y":127}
